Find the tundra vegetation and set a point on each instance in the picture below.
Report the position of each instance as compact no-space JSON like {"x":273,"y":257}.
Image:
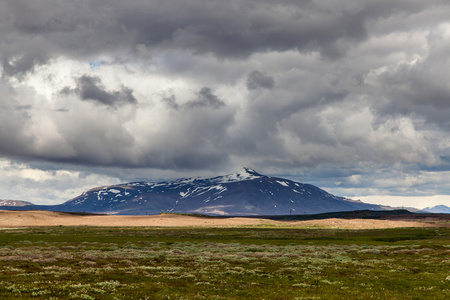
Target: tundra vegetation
{"x":224,"y":263}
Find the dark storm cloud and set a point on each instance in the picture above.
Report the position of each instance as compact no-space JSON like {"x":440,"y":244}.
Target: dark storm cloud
{"x":195,"y":138}
{"x":418,"y":87}
{"x":90,"y":88}
{"x":354,"y":84}
{"x":244,"y":27}
{"x":205,"y":98}
{"x":14,"y":123}
{"x":17,"y":63}
{"x":257,"y":79}
{"x":34,"y":32}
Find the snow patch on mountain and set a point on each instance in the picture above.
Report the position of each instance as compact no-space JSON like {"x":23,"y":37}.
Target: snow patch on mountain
{"x":283,"y":183}
{"x":242,"y":175}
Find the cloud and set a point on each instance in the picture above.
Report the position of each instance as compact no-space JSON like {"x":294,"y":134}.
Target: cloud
{"x":225,"y":30}
{"x":90,"y":88}
{"x":333,"y":90}
{"x":257,"y":79}
{"x":44,"y":186}
{"x":245,"y":27}
{"x":171,"y":101}
{"x":205,"y":98}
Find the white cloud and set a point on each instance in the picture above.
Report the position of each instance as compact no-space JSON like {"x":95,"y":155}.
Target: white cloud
{"x":19,"y":181}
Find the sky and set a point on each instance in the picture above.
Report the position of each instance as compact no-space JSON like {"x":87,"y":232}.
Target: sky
{"x":350,"y":95}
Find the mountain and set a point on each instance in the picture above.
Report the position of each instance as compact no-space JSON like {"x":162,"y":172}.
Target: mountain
{"x":439,"y":209}
{"x":14,"y":203}
{"x":244,"y":193}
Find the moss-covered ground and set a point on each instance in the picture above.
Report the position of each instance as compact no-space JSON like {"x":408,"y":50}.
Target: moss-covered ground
{"x":224,"y":263}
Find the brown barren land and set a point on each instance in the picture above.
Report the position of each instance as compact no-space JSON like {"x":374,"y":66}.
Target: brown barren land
{"x":10,"y":219}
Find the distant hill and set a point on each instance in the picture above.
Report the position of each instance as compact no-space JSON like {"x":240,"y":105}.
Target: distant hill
{"x":439,"y":209}
{"x":244,"y":193}
{"x":14,"y":203}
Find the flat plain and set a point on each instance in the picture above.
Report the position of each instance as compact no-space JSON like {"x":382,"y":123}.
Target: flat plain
{"x":242,"y":259}
{"x":46,"y":218}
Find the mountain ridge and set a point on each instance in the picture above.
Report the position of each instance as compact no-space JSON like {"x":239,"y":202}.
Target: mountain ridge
{"x":14,"y":203}
{"x":438,"y":209}
{"x":246,"y":192}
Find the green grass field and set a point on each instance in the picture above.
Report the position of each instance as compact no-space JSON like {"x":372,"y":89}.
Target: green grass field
{"x":224,"y":263}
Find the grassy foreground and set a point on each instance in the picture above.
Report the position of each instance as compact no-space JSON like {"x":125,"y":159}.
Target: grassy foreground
{"x":224,"y":263}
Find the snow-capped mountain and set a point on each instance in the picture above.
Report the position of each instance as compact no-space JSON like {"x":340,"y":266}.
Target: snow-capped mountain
{"x":14,"y":203}
{"x":439,"y":209}
{"x":244,"y":193}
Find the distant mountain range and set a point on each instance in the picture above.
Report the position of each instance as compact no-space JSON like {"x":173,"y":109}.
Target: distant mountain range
{"x":439,"y":209}
{"x":14,"y":203}
{"x":244,"y":193}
